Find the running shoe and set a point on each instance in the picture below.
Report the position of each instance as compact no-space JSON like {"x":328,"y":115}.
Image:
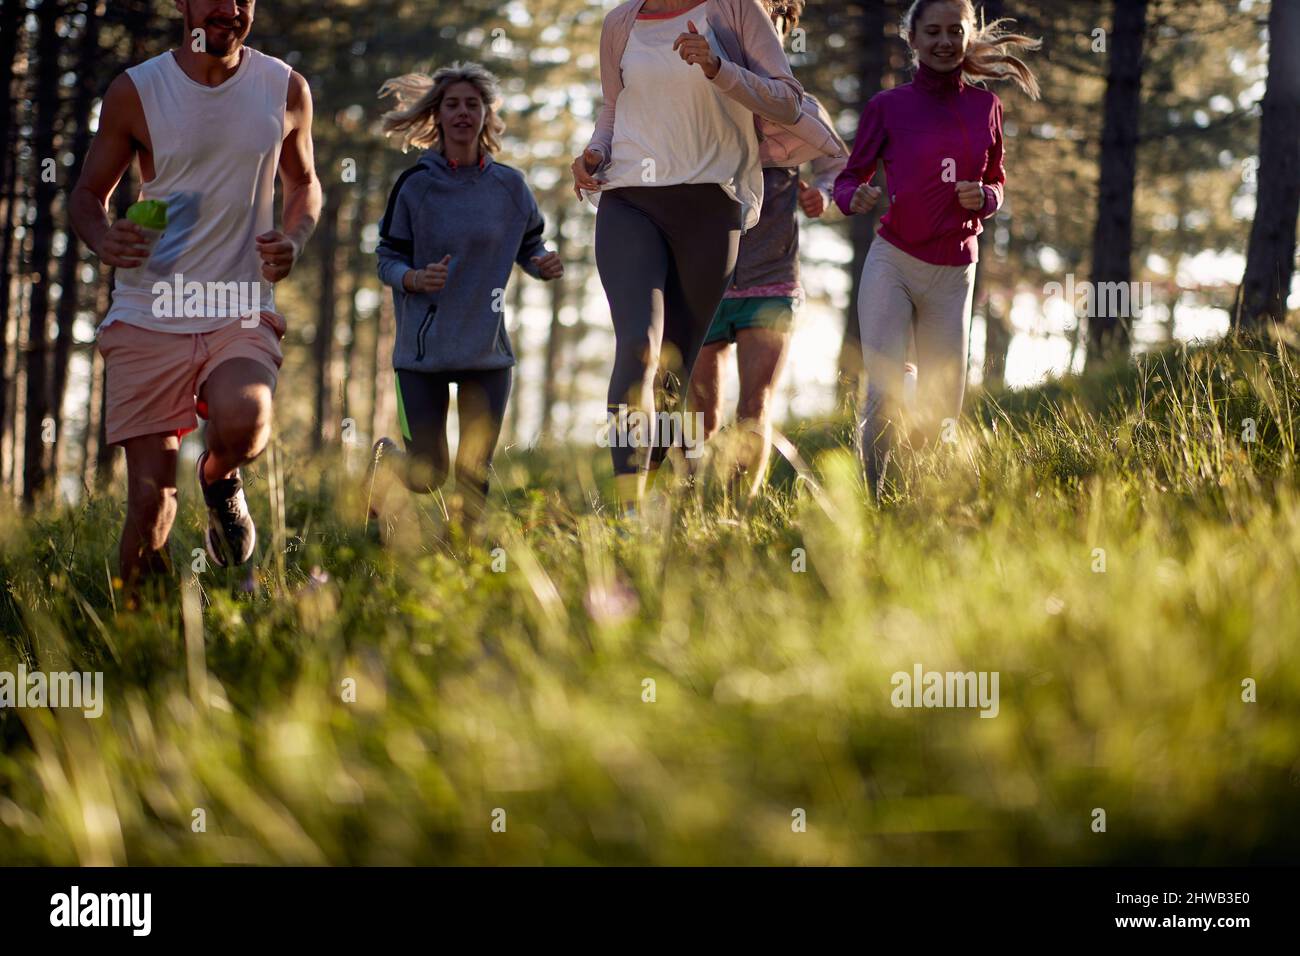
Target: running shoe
{"x":231,"y":535}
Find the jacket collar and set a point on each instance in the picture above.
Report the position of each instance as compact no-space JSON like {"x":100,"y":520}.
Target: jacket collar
{"x":940,"y":84}
{"x":435,"y":158}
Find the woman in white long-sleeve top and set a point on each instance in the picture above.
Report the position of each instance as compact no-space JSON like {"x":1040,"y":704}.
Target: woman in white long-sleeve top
{"x":674,"y":161}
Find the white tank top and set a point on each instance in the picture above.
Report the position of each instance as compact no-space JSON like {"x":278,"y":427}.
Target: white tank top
{"x":672,"y":124}
{"x":215,"y":155}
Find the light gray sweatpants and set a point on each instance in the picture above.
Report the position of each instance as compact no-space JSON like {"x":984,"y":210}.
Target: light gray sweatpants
{"x":901,"y":299}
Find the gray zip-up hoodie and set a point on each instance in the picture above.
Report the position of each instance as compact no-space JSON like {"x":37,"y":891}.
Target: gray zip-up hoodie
{"x":486,"y":219}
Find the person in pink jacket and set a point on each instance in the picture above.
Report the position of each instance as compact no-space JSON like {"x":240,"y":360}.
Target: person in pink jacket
{"x":674,"y":162}
{"x":757,"y":312}
{"x":939,"y":139}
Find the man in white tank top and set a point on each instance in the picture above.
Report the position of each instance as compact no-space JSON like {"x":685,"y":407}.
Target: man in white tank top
{"x":192,"y":330}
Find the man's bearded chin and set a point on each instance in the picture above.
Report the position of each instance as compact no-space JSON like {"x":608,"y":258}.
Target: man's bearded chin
{"x":217,"y":42}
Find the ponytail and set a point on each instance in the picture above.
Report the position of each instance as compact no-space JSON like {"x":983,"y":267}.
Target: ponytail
{"x":991,"y":55}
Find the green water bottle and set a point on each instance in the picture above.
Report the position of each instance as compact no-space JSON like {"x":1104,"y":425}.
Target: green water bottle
{"x":151,"y":216}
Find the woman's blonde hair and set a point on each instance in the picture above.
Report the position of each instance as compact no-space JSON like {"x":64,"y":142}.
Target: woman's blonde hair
{"x":419,"y":97}
{"x":991,"y":52}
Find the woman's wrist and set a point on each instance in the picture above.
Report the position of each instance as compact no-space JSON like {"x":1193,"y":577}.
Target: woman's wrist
{"x":989,"y":206}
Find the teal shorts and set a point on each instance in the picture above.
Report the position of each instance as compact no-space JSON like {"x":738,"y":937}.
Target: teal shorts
{"x":774,"y":312}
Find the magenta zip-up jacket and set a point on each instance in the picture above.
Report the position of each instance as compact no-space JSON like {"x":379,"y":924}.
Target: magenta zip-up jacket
{"x":930,"y":134}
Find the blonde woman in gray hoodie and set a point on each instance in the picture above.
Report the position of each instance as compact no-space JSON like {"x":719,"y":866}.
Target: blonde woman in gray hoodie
{"x":456,"y":224}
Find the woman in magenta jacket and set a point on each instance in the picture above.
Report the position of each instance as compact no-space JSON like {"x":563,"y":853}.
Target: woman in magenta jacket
{"x":940,"y":141}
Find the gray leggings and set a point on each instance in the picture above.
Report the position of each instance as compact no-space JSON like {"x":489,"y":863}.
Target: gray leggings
{"x":902,"y":297}
{"x":665,"y":255}
{"x":423,"y":399}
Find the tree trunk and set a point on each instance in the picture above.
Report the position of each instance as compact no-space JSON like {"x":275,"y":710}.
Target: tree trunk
{"x":1270,"y":257}
{"x":997,"y":344}
{"x":517,"y":340}
{"x":38,"y":394}
{"x":7,"y":379}
{"x":1110,"y":326}
{"x":11,"y":19}
{"x":355,"y":266}
{"x":997,"y":329}
{"x":70,"y":267}
{"x":997,"y":323}
{"x":872,"y":66}
{"x":555,"y":339}
{"x":326,"y":430}
{"x":92,"y":442}
{"x":11,"y":22}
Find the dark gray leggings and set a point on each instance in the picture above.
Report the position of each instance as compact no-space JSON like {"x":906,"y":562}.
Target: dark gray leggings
{"x":665,"y":255}
{"x":423,"y":399}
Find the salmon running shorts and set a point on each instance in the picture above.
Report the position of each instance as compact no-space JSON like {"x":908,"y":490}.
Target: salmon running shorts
{"x":152,"y":379}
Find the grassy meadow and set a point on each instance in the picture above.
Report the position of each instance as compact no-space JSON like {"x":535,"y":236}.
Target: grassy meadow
{"x":1124,"y":550}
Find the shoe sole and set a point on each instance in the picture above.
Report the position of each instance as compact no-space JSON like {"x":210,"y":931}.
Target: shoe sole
{"x":216,"y":547}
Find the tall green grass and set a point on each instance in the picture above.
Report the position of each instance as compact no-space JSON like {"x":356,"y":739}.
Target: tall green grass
{"x":524,"y":689}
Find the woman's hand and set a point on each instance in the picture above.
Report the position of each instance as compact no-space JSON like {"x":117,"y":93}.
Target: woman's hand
{"x":549,"y":266}
{"x":971,"y":196}
{"x":865,"y":198}
{"x":432,"y":278}
{"x":811,"y":200}
{"x":584,"y":172}
{"x":693,"y":47}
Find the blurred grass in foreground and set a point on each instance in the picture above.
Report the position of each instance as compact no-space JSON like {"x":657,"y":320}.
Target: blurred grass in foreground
{"x":523,"y":689}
